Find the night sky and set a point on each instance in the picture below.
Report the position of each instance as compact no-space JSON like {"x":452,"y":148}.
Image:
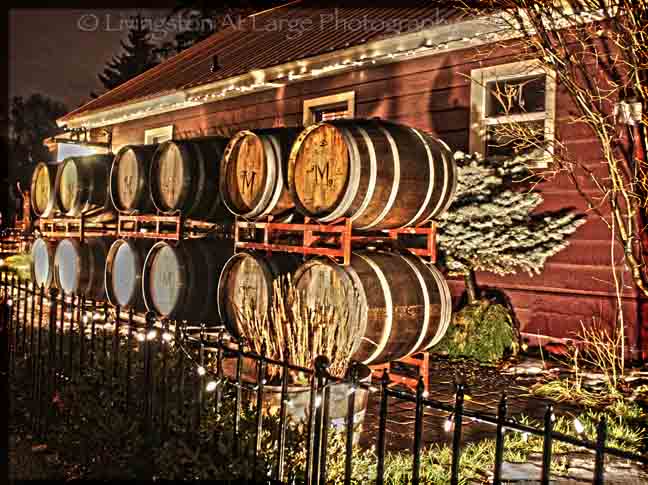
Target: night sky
{"x":59,"y":52}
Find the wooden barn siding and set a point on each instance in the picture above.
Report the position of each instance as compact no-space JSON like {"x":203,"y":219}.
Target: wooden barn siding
{"x":433,"y":94}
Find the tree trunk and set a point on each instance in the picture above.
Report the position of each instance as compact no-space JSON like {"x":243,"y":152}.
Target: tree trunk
{"x":471,"y":286}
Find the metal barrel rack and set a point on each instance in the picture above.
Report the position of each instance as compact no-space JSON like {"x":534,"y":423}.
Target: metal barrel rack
{"x":75,"y":227}
{"x":169,"y":227}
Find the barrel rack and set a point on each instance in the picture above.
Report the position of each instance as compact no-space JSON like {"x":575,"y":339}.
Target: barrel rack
{"x":77,"y":227}
{"x":335,"y":239}
{"x":419,"y":361}
{"x":169,"y":227}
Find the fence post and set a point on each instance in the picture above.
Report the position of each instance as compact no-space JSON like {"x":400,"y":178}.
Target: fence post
{"x":320,"y":364}
{"x":499,"y":441}
{"x":282,"y":417}
{"x":148,"y":377}
{"x":382,"y":427}
{"x":129,"y":358}
{"x":348,"y":459}
{"x":238,"y":398}
{"x":456,"y":437}
{"x":51,"y":356}
{"x":418,"y":432}
{"x":546,"y":447}
{"x":261,"y":379}
{"x":601,"y":436}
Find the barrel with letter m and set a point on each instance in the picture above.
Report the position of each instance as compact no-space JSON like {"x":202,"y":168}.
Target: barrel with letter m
{"x":246,"y":286}
{"x":253,"y":172}
{"x":381,"y":175}
{"x":179,"y":281}
{"x":403,"y":305}
{"x":184,"y":177}
{"x":129,"y":179}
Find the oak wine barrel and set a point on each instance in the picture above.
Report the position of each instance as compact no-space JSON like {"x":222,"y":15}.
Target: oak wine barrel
{"x":82,"y":187}
{"x":42,"y":262}
{"x":123,"y":272}
{"x":404,"y":304}
{"x":79,"y":267}
{"x":43,"y":192}
{"x":246,"y":281}
{"x":180,"y":281}
{"x":253,"y":172}
{"x":184,"y":177}
{"x":381,"y":175}
{"x":129,"y":175}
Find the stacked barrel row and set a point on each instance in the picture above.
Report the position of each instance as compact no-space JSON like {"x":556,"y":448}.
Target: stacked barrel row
{"x":404,"y":303}
{"x":379,"y":174}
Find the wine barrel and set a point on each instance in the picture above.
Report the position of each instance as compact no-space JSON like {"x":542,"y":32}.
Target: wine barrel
{"x":184,"y":177}
{"x":82,"y":187}
{"x":180,"y":282}
{"x":123,"y":272}
{"x":42,"y":262}
{"x":79,"y":267}
{"x":129,"y":186}
{"x":43,"y":192}
{"x":381,"y":175}
{"x":403,"y":305}
{"x":246,"y":281}
{"x":253,"y":172}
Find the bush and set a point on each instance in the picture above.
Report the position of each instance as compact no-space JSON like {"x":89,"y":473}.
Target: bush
{"x":482,"y":330}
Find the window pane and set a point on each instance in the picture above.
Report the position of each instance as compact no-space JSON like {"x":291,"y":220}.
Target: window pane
{"x":515,"y":96}
{"x":508,"y":139}
{"x":331,"y":113}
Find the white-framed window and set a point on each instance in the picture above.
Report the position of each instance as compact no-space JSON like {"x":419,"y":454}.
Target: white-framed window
{"x":331,"y":107}
{"x":513,"y":108}
{"x":158,"y":135}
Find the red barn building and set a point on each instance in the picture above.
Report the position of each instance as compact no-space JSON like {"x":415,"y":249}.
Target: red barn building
{"x":426,"y":67}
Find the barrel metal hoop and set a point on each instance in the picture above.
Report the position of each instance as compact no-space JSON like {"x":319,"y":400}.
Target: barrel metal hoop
{"x":373,"y":172}
{"x":426,"y":305}
{"x":279,"y":176}
{"x":389,"y":308}
{"x":428,"y":196}
{"x":446,"y":306}
{"x":353,"y":182}
{"x":450,"y":169}
{"x":395,"y":183}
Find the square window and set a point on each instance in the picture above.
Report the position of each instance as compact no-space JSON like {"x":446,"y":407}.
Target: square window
{"x":327,"y":108}
{"x":513,"y":110}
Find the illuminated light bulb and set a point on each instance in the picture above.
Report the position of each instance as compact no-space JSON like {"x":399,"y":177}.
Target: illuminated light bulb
{"x":1,"y":261}
{"x":447,"y":426}
{"x":318,"y":401}
{"x":167,"y":337}
{"x":525,"y":437}
{"x":211,"y":386}
{"x":151,"y":335}
{"x":86,"y":319}
{"x":201,"y":371}
{"x":96,"y":316}
{"x":351,"y":390}
{"x":426,"y":394}
{"x":553,"y":417}
{"x":578,"y":426}
{"x":373,"y":389}
{"x":9,"y":302}
{"x":141,"y":337}
{"x":289,"y":403}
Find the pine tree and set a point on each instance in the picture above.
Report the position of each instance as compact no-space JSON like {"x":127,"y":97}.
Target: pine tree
{"x":139,"y":55}
{"x":490,"y":225}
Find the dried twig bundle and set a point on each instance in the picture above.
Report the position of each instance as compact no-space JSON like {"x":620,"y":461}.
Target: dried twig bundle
{"x":300,"y":327}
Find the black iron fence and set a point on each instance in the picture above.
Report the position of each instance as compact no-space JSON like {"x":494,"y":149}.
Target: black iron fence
{"x":58,"y":337}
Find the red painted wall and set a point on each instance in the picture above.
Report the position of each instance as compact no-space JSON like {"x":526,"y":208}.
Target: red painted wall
{"x":433,"y":94}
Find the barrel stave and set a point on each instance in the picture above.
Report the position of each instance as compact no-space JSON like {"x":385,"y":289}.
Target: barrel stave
{"x":129,"y":179}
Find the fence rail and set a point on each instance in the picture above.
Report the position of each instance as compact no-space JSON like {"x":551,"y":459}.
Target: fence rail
{"x":60,"y":336}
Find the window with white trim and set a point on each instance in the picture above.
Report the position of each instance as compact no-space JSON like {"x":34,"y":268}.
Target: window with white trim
{"x":158,"y":135}
{"x":513,"y":109}
{"x":331,"y":107}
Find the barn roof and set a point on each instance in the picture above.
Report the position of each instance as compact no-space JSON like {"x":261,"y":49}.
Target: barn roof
{"x":295,"y":31}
